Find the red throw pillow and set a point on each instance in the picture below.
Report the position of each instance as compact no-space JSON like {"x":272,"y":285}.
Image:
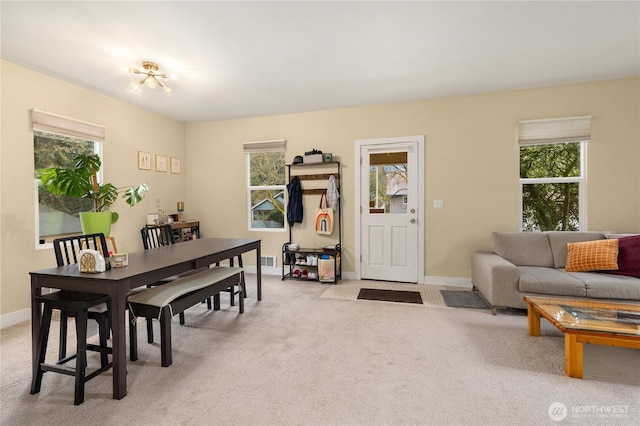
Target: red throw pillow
{"x":628,"y":256}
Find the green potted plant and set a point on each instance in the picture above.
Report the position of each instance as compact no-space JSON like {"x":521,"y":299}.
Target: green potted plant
{"x":81,"y":181}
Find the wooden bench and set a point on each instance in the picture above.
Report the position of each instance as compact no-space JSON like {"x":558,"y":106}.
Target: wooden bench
{"x":165,"y":301}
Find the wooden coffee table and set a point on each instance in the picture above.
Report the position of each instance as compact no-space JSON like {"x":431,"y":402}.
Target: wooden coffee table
{"x":583,"y":321}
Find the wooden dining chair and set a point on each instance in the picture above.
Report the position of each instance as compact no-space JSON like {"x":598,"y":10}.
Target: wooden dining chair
{"x":157,"y":236}
{"x":67,"y":251}
{"x":79,"y":305}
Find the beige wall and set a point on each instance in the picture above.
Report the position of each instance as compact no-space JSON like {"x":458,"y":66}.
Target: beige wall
{"x":471,"y":160}
{"x":128,"y":130}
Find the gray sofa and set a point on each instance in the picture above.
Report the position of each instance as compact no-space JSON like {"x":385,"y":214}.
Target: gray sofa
{"x":532,"y":263}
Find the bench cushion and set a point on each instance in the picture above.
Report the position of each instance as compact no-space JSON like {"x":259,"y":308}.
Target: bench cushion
{"x":164,"y":294}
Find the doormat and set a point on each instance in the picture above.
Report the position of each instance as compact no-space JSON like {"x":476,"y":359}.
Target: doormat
{"x":349,"y":290}
{"x":390,"y":295}
{"x":463,"y":299}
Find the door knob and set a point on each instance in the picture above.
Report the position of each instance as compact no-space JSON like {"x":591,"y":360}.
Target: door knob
{"x":412,"y":221}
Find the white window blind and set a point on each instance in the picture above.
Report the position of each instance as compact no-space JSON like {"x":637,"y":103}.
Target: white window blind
{"x":556,"y":130}
{"x":264,"y":146}
{"x":53,"y":123}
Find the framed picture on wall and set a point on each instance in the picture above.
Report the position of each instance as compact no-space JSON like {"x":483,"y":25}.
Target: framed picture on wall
{"x":144,"y":160}
{"x":175,"y":165}
{"x":161,"y":163}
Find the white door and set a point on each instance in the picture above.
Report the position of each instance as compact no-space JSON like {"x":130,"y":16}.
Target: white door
{"x":389,"y":213}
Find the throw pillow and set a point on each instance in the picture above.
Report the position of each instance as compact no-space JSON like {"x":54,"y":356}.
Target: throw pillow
{"x":628,"y":256}
{"x":592,"y":256}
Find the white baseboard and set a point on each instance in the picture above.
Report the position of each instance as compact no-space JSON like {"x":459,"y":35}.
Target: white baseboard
{"x":448,"y":281}
{"x":14,"y":318}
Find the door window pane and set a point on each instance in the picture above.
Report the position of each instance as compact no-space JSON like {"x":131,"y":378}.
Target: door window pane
{"x":388,"y":180}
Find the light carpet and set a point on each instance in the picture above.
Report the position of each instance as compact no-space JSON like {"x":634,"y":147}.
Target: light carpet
{"x":298,"y":358}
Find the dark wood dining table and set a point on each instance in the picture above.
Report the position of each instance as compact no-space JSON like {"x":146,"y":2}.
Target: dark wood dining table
{"x":145,"y":267}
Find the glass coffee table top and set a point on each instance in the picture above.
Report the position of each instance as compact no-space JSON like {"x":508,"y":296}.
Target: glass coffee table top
{"x":585,"y":315}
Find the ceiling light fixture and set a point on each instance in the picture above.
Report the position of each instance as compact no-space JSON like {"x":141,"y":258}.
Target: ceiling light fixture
{"x":151,"y":78}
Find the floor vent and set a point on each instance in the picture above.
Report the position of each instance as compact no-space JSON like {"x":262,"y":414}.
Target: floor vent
{"x":268,"y":261}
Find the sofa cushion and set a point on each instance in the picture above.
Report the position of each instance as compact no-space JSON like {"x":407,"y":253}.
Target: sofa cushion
{"x":542,"y":280}
{"x":609,"y":286}
{"x":600,"y":255}
{"x":558,"y":241}
{"x":523,"y":248}
{"x":628,"y":256}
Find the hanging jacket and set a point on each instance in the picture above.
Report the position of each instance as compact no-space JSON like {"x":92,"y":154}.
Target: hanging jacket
{"x":332,"y":193}
{"x":294,"y":208}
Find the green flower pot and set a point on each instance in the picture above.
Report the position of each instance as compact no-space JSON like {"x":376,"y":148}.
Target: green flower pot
{"x":97,"y":222}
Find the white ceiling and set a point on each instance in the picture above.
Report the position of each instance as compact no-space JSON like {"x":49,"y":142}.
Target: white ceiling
{"x":244,"y":59}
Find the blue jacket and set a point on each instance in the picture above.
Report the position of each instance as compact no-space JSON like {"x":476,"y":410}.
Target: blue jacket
{"x":294,"y":208}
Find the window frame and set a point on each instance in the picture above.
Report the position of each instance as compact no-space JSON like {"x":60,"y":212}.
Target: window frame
{"x":251,"y":188}
{"x":581,"y":180}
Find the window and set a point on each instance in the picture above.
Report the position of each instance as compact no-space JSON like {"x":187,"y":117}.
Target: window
{"x":56,"y":140}
{"x":266,"y":185}
{"x":388,"y":180}
{"x":552,"y":173}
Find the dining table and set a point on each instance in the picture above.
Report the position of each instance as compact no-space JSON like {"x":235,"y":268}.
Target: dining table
{"x":144,"y":267}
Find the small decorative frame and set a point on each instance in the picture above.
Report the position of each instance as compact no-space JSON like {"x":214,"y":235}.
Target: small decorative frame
{"x":161,"y":163}
{"x":144,"y":160}
{"x":175,"y":165}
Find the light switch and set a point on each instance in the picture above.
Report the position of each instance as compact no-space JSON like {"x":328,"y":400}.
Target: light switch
{"x":438,"y":204}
